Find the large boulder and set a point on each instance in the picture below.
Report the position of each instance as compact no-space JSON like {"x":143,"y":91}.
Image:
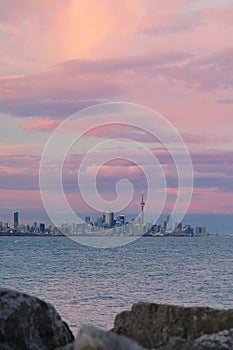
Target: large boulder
{"x":28,"y":323}
{"x":170,"y":327}
{"x":91,"y":338}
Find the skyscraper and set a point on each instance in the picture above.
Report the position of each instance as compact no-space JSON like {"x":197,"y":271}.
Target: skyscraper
{"x":142,"y":203}
{"x":16,"y":220}
{"x":121,"y":219}
{"x":109,"y":219}
{"x":169,"y":225}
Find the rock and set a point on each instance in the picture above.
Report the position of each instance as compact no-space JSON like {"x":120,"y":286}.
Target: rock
{"x":91,"y":338}
{"x":218,"y":341}
{"x":68,"y":347}
{"x":29,"y":323}
{"x":170,"y":327}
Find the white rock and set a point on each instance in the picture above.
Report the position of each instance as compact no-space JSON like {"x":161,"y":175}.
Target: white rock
{"x":91,"y":338}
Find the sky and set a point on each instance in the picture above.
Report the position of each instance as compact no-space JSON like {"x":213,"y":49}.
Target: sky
{"x":172,"y":56}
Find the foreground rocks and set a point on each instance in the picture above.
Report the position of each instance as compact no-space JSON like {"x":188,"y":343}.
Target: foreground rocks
{"x":91,"y":338}
{"x":174,"y":328}
{"x":30,"y":323}
{"x":217,"y":341}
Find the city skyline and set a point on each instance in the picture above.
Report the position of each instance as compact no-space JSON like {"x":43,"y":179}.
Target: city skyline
{"x":174,"y":57}
{"x":109,"y":223}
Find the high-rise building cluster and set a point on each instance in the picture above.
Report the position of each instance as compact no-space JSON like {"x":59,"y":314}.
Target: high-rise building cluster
{"x":18,"y":228}
{"x":105,"y":224}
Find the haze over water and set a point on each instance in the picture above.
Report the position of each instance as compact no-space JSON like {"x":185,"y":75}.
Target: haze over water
{"x":90,"y":286}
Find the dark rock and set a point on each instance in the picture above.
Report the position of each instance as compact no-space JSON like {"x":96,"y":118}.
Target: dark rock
{"x":168,"y":327}
{"x":91,"y":338}
{"x":29,"y":323}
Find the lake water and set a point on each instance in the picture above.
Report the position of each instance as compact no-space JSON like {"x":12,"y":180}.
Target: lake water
{"x":90,"y":286}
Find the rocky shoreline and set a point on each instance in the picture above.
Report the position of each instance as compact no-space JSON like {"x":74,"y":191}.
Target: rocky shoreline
{"x":28,"y":323}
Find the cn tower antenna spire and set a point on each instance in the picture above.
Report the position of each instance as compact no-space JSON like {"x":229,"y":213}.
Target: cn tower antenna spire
{"x":142,"y":204}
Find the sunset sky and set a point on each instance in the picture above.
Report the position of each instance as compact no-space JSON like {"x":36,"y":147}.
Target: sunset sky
{"x":174,"y":56}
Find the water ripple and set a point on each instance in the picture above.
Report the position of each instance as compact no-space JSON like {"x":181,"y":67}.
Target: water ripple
{"x":89,"y":286}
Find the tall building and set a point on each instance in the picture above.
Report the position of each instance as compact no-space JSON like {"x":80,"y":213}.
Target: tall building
{"x":178,"y":226}
{"x":100,"y":221}
{"x":142,"y":204}
{"x":200,"y":231}
{"x":16,"y":220}
{"x":121,"y":219}
{"x":109,"y":219}
{"x":169,"y":226}
{"x":42,"y":227}
{"x":87,"y":219}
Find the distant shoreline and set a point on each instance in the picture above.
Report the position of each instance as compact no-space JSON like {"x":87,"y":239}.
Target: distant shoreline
{"x":23,"y":234}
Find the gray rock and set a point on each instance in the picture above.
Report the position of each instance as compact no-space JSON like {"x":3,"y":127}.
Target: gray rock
{"x":218,"y":341}
{"x":29,"y":323}
{"x":67,"y":347}
{"x":91,"y":338}
{"x":168,"y":327}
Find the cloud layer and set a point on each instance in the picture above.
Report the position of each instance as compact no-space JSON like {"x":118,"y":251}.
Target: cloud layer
{"x":174,"y":56}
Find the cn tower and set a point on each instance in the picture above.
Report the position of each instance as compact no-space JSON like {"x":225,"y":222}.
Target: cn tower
{"x":142,"y":203}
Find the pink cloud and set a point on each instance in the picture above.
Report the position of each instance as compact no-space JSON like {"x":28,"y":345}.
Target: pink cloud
{"x":19,"y":161}
{"x":7,"y":149}
{"x":126,"y":50}
{"x":171,"y":23}
{"x":204,"y":138}
{"x":70,"y":86}
{"x":13,"y":198}
{"x":210,"y":201}
{"x":105,"y":34}
{"x":121,"y":131}
{"x":40,"y":125}
{"x":221,"y":14}
{"x":136,"y":134}
{"x":213,"y":180}
{"x":79,"y":78}
{"x":116,"y":172}
{"x":24,"y":9}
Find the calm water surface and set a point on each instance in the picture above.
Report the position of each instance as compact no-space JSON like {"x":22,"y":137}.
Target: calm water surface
{"x":90,"y":286}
